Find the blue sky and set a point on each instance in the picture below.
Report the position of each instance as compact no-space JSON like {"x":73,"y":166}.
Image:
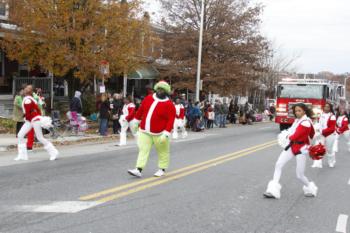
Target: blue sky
{"x":317,"y":30}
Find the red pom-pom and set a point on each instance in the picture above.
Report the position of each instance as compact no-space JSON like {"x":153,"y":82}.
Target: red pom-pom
{"x":317,"y":152}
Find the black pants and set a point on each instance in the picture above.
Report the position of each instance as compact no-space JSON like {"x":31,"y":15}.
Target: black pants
{"x":18,"y":127}
{"x":210,"y":124}
{"x":116,"y":126}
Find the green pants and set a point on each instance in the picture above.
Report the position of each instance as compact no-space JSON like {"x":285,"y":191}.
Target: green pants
{"x":145,"y":142}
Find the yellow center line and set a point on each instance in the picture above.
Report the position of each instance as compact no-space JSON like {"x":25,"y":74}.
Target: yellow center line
{"x":133,"y":184}
{"x":168,"y":179}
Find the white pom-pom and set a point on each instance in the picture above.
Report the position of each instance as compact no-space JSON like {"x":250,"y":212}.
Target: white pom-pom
{"x":283,"y":139}
{"x":46,"y":122}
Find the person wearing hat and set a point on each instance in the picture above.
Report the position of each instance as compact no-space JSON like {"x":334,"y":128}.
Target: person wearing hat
{"x":155,"y":120}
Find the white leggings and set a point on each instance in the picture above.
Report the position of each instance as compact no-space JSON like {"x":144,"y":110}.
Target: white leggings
{"x":284,"y":159}
{"x":27,"y":126}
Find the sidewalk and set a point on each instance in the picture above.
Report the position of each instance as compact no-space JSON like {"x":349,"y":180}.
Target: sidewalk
{"x":8,"y":142}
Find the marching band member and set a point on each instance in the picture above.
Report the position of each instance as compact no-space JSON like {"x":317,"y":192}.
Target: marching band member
{"x":32,"y":121}
{"x":342,"y":128}
{"x":126,"y":120}
{"x":179,"y":120}
{"x":327,"y":125}
{"x":298,"y":135}
{"x":156,"y":117}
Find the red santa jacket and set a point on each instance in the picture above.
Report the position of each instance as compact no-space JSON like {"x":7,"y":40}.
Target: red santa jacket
{"x":129,"y":111}
{"x":180,"y":111}
{"x":303,"y":131}
{"x":30,"y":108}
{"x":157,"y":116}
{"x":342,"y":124}
{"x":328,"y":123}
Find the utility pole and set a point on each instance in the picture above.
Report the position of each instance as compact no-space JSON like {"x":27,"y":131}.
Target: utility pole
{"x":199,"y":64}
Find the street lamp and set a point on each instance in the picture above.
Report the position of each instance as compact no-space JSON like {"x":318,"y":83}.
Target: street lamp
{"x":199,"y":64}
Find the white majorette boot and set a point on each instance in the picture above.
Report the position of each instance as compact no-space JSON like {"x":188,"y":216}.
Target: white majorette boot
{"x":122,"y":141}
{"x":53,"y":152}
{"x":273,"y":190}
{"x":159,"y":173}
{"x":175,"y":134}
{"x":184,"y":134}
{"x":22,"y":152}
{"x":135,"y":172}
{"x":331,"y":161}
{"x":310,"y":190}
{"x":317,"y":164}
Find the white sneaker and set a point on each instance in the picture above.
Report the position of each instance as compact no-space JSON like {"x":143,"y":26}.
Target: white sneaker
{"x":18,"y":158}
{"x":135,"y":172}
{"x":159,"y":173}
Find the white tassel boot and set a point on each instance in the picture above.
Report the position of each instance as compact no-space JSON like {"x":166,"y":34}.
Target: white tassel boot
{"x":22,"y":152}
{"x":53,"y":152}
{"x":317,"y":164}
{"x":310,"y":190}
{"x":273,"y":190}
{"x":122,"y":141}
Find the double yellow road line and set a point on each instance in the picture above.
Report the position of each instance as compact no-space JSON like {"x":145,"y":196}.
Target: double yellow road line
{"x":137,"y":186}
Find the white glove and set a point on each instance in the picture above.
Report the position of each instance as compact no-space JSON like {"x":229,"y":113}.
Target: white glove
{"x":134,"y":126}
{"x":164,"y":137}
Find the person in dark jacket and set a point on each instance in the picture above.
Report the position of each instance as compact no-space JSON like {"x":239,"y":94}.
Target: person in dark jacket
{"x":75,"y":104}
{"x":76,"y":107}
{"x":104,"y":115}
{"x":116,"y":112}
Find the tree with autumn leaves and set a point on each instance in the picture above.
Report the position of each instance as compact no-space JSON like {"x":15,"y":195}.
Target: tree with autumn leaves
{"x":64,"y":36}
{"x":234,"y":50}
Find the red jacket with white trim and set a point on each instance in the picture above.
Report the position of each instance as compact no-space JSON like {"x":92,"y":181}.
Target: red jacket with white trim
{"x":342,"y":124}
{"x":30,"y":108}
{"x":156,"y":115}
{"x":328,"y":123}
{"x":129,"y":111}
{"x":180,"y":111}
{"x":301,"y":137}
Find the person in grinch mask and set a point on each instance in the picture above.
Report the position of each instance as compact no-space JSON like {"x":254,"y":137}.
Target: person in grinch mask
{"x":155,"y":120}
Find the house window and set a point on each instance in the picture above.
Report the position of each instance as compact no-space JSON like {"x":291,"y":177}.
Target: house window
{"x":4,"y":10}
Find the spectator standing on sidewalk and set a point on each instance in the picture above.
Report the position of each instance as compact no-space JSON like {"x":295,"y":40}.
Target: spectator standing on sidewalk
{"x":17,"y":114}
{"x":116,"y":112}
{"x":76,"y":106}
{"x":218,"y":112}
{"x":104,"y":115}
{"x":224,"y":114}
{"x":211,"y":116}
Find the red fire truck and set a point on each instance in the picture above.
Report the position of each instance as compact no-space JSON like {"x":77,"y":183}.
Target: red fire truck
{"x":315,"y":93}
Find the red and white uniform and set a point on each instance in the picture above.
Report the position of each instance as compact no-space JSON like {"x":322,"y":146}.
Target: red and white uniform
{"x":156,"y":116}
{"x":301,"y":132}
{"x":31,"y":109}
{"x":342,"y":125}
{"x":125,"y":122}
{"x":180,"y":111}
{"x":179,"y":121}
{"x":327,"y":125}
{"x":129,"y":112}
{"x":33,"y":121}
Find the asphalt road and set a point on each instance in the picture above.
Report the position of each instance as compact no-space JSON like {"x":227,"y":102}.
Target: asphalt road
{"x":215,"y":184}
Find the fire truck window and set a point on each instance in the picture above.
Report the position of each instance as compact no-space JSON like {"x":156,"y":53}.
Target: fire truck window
{"x":301,"y":91}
